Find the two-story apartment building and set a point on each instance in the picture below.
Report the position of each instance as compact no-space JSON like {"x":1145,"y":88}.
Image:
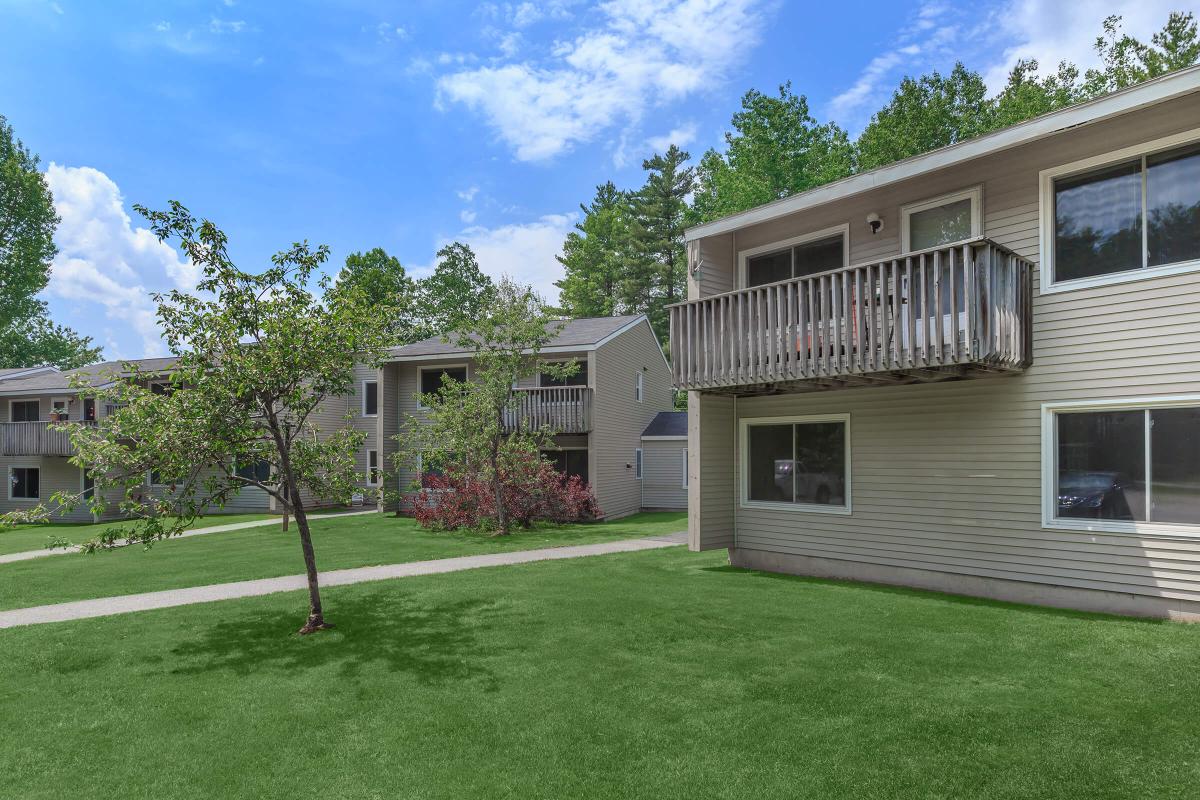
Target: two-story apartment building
{"x":976,"y":370}
{"x":622,"y":383}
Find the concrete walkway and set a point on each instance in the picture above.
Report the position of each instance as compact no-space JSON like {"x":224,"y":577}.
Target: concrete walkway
{"x":124,"y":604}
{"x":25,"y":555}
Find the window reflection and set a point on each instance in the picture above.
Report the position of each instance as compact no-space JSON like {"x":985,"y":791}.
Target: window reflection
{"x":1101,"y":465}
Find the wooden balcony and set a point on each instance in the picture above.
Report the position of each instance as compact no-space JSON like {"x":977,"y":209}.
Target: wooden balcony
{"x":36,"y":439}
{"x":565,"y":409}
{"x":939,"y":314}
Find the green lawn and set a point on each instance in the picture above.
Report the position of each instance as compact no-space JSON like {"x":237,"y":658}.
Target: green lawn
{"x":20,"y":538}
{"x":661,"y":674}
{"x":267,"y":552}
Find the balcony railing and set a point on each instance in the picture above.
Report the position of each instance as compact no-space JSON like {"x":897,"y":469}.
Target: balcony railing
{"x":37,"y":439}
{"x":933,"y":315}
{"x":566,"y":409}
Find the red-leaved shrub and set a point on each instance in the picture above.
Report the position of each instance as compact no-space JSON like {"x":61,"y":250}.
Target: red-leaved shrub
{"x":532,"y":491}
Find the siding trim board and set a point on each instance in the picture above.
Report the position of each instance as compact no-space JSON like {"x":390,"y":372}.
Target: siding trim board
{"x":1046,"y":216}
{"x":1049,"y":466}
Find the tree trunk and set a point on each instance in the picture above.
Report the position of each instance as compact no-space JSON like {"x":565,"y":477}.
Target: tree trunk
{"x":316,"y":617}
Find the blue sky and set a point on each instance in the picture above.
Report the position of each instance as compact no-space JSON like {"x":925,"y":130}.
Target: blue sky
{"x":409,"y":125}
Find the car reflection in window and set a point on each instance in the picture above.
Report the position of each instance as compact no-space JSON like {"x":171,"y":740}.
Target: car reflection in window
{"x":1093,"y":495}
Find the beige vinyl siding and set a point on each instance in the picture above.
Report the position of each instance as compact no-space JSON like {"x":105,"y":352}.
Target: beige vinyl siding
{"x":662,"y":473}
{"x":710,"y":265}
{"x":618,"y":419}
{"x":389,"y":421}
{"x":711,"y":459}
{"x":947,"y":477}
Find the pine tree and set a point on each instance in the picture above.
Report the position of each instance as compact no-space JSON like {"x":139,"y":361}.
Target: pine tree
{"x":595,"y":256}
{"x":658,"y":269}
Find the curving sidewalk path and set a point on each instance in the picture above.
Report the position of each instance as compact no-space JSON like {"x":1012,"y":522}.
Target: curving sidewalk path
{"x":124,"y":604}
{"x":25,"y":555}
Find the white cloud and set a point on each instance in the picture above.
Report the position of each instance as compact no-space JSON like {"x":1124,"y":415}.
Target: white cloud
{"x":468,"y":194}
{"x":640,"y":56}
{"x":389,"y":32}
{"x":933,"y":38}
{"x":162,"y":27}
{"x":104,"y":262}
{"x":993,"y":41}
{"x":1055,"y":31}
{"x":220,"y":26}
{"x":524,"y":252}
{"x":467,"y":216}
{"x":680,"y":137}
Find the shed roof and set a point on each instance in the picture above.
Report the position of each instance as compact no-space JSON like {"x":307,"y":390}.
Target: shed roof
{"x":667,"y":423}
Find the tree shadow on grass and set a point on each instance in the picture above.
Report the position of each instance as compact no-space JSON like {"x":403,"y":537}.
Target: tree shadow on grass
{"x":395,"y":631}
{"x":931,"y":594}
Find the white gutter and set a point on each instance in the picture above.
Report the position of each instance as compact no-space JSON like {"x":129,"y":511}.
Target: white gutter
{"x":1116,"y":104}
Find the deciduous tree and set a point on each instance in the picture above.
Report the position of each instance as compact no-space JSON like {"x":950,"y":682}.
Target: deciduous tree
{"x":27,"y":223}
{"x":456,"y":293}
{"x":473,"y":428}
{"x":258,"y":355}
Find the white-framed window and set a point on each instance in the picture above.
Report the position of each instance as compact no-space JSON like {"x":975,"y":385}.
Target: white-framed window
{"x":639,"y":386}
{"x":938,"y":221}
{"x":1122,"y":466}
{"x":796,"y":463}
{"x":154,"y":479}
{"x":808,"y":254}
{"x":684,"y":464}
{"x":87,"y":485}
{"x":61,"y":407}
{"x":24,"y":482}
{"x":373,"y":476}
{"x":429,"y":379}
{"x":1123,"y":216}
{"x":637,"y":464}
{"x":370,"y":398}
{"x":24,"y":410}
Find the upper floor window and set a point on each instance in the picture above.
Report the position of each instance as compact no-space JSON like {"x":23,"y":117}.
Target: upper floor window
{"x":580,"y":378}
{"x":370,"y":401}
{"x":1122,"y":216}
{"x":941,"y":220}
{"x":639,"y":387}
{"x":796,"y":258}
{"x":432,"y":379}
{"x":25,"y":410}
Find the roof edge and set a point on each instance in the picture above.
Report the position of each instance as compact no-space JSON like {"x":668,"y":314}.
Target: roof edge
{"x":1133,"y":98}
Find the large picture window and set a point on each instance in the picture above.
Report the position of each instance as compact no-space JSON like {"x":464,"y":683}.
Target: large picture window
{"x":25,"y":410}
{"x":1123,"y":467}
{"x":795,"y":258}
{"x":801,"y":463}
{"x":24,"y":483}
{"x":1124,"y":216}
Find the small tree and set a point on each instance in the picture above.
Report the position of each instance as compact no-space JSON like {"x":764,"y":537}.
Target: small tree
{"x":474,"y":427}
{"x":257,"y":357}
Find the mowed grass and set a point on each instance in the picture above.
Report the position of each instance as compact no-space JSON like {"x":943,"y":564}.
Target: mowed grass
{"x":661,"y":674}
{"x":21,"y":538}
{"x":267,"y":552}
